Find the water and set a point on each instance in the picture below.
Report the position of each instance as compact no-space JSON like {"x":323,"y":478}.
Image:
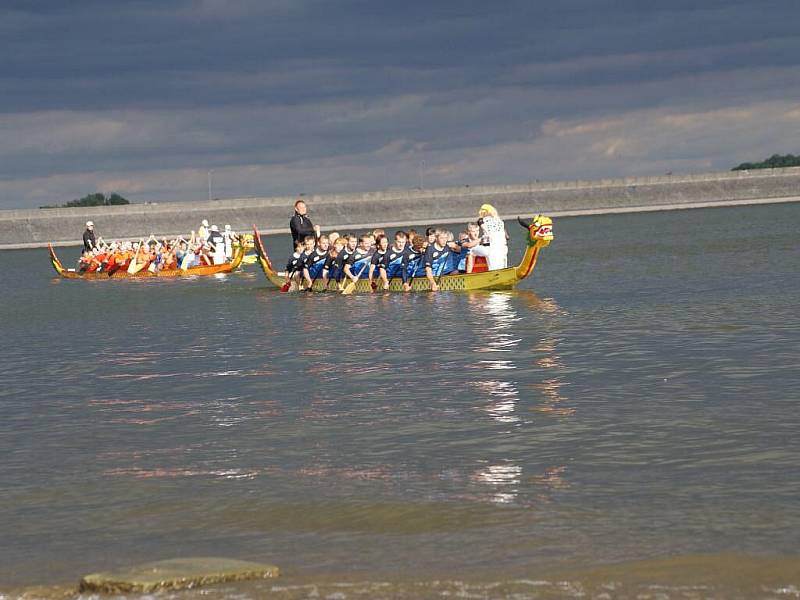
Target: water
{"x":623,"y":425}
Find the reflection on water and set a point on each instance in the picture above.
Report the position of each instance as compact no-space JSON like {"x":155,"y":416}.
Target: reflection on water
{"x":640,"y":406}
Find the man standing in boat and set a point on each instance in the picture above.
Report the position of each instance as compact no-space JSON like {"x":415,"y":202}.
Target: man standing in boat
{"x":300,"y":224}
{"x":89,"y":239}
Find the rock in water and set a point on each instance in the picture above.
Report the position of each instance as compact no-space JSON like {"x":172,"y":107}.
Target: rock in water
{"x":175,"y":574}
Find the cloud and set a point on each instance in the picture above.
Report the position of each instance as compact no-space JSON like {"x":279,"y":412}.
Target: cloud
{"x":304,"y":95}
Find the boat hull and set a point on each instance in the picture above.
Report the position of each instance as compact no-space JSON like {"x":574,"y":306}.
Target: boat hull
{"x":203,"y":271}
{"x":540,"y":236}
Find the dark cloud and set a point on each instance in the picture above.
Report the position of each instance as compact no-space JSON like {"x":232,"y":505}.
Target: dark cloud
{"x":93,"y":90}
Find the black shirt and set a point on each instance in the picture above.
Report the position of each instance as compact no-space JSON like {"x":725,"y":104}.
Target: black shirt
{"x":294,"y":263}
{"x":89,"y":240}
{"x":301,"y":226}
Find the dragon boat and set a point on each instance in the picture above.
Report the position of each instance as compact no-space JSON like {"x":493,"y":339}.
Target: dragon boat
{"x":227,"y":267}
{"x":540,"y":234}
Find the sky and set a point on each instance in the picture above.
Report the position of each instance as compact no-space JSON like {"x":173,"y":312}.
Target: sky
{"x":152,"y":98}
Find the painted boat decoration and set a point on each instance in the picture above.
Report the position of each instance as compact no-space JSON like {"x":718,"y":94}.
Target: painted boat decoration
{"x":235,"y":262}
{"x":540,"y":234}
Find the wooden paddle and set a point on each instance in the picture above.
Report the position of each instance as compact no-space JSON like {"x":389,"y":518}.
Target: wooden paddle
{"x":133,"y":267}
{"x":352,"y":285}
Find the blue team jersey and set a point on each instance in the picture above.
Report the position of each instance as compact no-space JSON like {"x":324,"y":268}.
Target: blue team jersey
{"x":437,"y":259}
{"x":393,"y":262}
{"x":413,"y":262}
{"x":337,"y":268}
{"x":359,"y":263}
{"x":458,"y":260}
{"x":315,"y":262}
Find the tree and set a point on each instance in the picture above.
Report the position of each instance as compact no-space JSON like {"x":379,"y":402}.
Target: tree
{"x":96,"y":199}
{"x":776,"y":161}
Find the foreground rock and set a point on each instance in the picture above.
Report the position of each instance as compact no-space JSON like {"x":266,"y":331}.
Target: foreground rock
{"x":175,"y":574}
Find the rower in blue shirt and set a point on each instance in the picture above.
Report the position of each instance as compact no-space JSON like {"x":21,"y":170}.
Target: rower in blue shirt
{"x":437,"y":257}
{"x":354,"y":266}
{"x":412,"y":261}
{"x":317,"y":262}
{"x":337,"y":269}
{"x":392,"y":265}
{"x":377,"y":261}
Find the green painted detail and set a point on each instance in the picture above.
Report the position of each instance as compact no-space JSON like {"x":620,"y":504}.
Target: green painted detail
{"x":175,"y":574}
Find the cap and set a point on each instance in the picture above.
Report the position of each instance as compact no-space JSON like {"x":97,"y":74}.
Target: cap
{"x":89,"y":224}
{"x":214,"y":228}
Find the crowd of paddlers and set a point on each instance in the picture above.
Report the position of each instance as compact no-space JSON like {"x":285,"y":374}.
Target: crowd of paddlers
{"x":404,"y":255}
{"x":207,"y":246}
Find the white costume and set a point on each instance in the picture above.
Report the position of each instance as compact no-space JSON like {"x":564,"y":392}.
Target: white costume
{"x":496,"y":252}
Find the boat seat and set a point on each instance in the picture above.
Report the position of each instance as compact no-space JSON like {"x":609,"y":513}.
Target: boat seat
{"x":480,"y":266}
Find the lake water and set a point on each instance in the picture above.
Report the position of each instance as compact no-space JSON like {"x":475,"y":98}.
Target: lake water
{"x":625,"y":424}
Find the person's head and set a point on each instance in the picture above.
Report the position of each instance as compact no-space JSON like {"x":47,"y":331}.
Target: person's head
{"x":182,"y":246}
{"x":204,"y":222}
{"x":487,"y":210}
{"x":300,"y":207}
{"x":400,"y":239}
{"x":323,"y":243}
{"x":473,"y":230}
{"x":365,"y":241}
{"x":463,"y":236}
{"x":382,"y":242}
{"x":214,"y":228}
{"x":333,"y":236}
{"x":378,"y":232}
{"x":89,"y":225}
{"x":227,"y":228}
{"x":352,"y":240}
{"x":430,"y":235}
{"x":299,"y":245}
{"x":339,"y":244}
{"x":441,"y":236}
{"x":308,"y":243}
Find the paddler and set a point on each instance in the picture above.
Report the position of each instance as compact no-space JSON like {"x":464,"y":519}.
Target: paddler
{"x":343,"y":255}
{"x":377,"y":261}
{"x":353,"y":267}
{"x":437,"y":255}
{"x":294,"y":266}
{"x":317,"y":263}
{"x":203,"y":231}
{"x":392,"y":265}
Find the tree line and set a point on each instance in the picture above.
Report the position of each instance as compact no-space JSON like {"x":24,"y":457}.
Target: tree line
{"x":776,"y":161}
{"x":96,"y":199}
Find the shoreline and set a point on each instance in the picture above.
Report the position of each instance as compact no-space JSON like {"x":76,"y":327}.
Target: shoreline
{"x":35,"y":228}
{"x":446,"y":221}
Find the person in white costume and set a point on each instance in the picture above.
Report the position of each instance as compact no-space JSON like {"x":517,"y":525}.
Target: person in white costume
{"x":494,"y":234}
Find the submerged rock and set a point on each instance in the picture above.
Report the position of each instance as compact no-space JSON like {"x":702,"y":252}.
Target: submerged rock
{"x":175,"y":574}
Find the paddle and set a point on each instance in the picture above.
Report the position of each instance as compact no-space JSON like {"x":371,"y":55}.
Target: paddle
{"x":133,"y":267}
{"x":352,"y":285}
{"x":285,"y":287}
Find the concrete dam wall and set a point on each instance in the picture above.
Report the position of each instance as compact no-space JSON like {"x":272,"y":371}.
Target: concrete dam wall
{"x":64,"y":226}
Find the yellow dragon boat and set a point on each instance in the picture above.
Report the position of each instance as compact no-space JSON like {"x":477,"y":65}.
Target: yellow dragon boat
{"x":235,"y":262}
{"x":540,"y":234}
